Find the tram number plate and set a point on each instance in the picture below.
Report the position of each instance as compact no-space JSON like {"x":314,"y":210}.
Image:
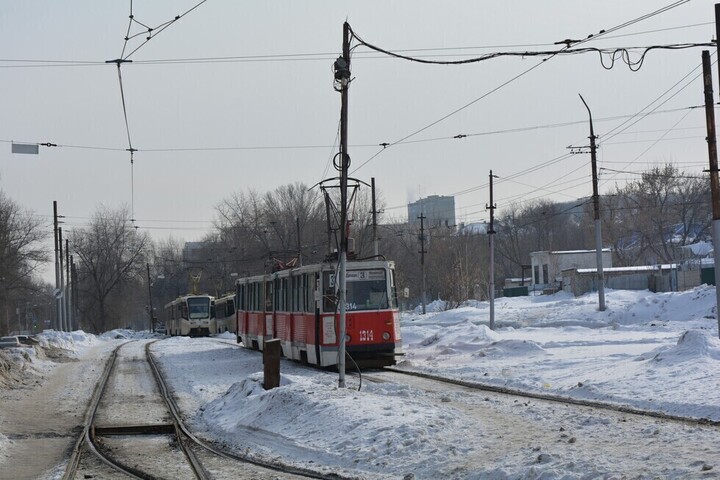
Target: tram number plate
{"x":366,"y":335}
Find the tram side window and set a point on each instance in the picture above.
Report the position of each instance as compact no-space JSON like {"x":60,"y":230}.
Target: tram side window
{"x":309,"y":289}
{"x":254,"y":300}
{"x":276,"y":296}
{"x":329,"y":296}
{"x":299,"y":298}
{"x":293,"y":294}
{"x":268,"y":296}
{"x":286,"y":294}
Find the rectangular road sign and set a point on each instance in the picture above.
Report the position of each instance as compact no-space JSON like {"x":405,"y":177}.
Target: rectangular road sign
{"x":29,"y":148}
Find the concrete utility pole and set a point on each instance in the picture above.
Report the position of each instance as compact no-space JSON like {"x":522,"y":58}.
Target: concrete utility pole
{"x":58,"y":310}
{"x":74,"y":301}
{"x":596,"y":206}
{"x":299,"y":242}
{"x":63,"y":322}
{"x":374,"y":218}
{"x":68,"y":286}
{"x":342,"y":80}
{"x":152,"y":318}
{"x":422,"y":257}
{"x":714,"y":180}
{"x":491,"y":235}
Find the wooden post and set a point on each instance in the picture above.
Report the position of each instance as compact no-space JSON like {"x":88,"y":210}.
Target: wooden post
{"x":271,"y":363}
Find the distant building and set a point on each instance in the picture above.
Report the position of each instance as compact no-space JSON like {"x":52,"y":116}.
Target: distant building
{"x":478,"y":228}
{"x":547,"y":267}
{"x":439,"y":211}
{"x":656,"y":278}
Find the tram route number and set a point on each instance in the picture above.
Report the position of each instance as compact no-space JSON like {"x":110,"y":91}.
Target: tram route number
{"x":366,"y":335}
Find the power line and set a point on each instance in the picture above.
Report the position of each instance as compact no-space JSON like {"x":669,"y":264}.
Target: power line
{"x":323,"y":56}
{"x":459,"y":136}
{"x":552,"y":55}
{"x":126,"y":59}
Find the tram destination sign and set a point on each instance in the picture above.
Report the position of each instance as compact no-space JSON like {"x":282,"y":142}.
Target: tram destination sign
{"x":365,"y":275}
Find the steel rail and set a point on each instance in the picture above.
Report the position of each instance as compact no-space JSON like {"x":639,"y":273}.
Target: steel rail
{"x":555,"y":398}
{"x":175,"y":411}
{"x":87,"y":438}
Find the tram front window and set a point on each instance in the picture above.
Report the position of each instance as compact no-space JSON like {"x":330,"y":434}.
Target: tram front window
{"x":367,"y":290}
{"x":199,"y":307}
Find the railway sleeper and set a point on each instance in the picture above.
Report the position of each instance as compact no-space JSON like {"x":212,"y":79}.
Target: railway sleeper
{"x":155,"y":429}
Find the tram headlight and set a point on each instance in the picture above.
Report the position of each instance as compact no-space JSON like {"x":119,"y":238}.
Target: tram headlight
{"x":386,"y":336}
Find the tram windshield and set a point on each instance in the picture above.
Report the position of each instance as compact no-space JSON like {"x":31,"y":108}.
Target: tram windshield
{"x":199,"y":307}
{"x":366,"y":290}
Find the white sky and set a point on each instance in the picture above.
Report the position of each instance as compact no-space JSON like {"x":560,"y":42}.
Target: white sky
{"x":291,"y":103}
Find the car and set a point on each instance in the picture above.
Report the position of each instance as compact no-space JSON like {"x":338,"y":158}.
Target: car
{"x":10,"y":342}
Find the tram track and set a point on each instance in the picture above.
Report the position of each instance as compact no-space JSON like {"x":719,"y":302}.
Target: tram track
{"x":484,"y":387}
{"x":150,"y":439}
{"x":561,"y":399}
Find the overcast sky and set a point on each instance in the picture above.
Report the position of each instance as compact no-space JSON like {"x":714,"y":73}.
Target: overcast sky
{"x":269,"y":115}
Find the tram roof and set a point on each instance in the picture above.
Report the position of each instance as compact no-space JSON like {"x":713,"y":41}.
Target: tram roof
{"x":316,"y":267}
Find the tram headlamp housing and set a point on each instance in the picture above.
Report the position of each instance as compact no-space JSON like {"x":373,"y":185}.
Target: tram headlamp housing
{"x":386,"y":336}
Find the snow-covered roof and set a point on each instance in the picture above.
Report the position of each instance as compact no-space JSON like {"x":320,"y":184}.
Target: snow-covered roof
{"x":639,"y":268}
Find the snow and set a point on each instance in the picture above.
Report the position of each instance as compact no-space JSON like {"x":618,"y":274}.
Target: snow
{"x":651,"y":351}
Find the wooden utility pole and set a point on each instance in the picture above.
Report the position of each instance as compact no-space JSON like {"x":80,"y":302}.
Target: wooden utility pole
{"x":596,"y":206}
{"x":491,"y":235}
{"x":714,"y":180}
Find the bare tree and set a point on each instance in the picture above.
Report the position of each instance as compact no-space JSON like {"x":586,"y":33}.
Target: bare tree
{"x":664,"y":209}
{"x":21,"y":255}
{"x":257,"y":230}
{"x":111,"y":255}
{"x":21,"y":252}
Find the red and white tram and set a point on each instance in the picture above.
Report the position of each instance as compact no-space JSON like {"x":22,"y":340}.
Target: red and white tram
{"x":299,"y":307}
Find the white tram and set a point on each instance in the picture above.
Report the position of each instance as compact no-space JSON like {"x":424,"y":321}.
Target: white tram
{"x":192,"y":315}
{"x":225,"y":313}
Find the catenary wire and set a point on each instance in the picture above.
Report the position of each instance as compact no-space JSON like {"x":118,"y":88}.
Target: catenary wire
{"x":589,"y":38}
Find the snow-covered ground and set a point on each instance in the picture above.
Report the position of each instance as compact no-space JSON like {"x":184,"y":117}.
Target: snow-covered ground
{"x":651,"y":351}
